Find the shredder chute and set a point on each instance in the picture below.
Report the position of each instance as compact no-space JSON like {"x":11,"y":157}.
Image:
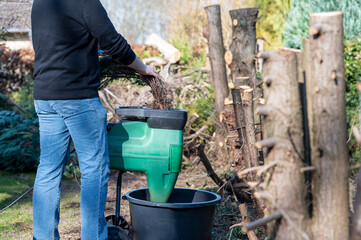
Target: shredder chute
{"x":150,"y":141}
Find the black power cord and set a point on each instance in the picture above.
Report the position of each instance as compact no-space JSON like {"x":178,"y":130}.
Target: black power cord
{"x":20,"y":197}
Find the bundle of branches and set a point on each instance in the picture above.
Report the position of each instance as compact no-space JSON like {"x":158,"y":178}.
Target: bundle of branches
{"x":111,"y":70}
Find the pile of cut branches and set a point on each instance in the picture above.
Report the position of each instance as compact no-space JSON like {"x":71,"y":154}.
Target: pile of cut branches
{"x":111,"y":69}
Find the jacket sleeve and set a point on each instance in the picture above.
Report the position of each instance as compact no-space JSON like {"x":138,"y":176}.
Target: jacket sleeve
{"x":101,"y":28}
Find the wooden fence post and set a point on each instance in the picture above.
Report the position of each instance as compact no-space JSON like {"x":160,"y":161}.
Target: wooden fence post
{"x":241,"y":55}
{"x":283,"y":131}
{"x":213,"y":33}
{"x":241,"y":60}
{"x":326,"y":89}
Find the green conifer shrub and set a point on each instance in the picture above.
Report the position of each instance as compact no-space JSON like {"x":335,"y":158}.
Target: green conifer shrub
{"x":19,"y":142}
{"x":296,"y":26}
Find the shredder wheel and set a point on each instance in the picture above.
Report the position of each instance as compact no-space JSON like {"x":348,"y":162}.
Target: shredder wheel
{"x":117,"y":233}
{"x":122,"y":222}
{"x":120,"y":232}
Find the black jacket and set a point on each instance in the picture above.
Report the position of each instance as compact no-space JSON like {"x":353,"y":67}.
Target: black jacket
{"x":66,"y":34}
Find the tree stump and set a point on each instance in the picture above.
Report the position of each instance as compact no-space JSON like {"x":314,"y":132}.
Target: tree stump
{"x":283,"y":131}
{"x":213,"y":33}
{"x":327,"y":117}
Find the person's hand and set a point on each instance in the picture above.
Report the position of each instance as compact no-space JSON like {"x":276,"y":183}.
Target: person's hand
{"x":148,"y":71}
{"x":144,"y":70}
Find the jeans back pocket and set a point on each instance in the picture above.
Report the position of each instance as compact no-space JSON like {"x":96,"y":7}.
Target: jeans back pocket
{"x":67,"y":107}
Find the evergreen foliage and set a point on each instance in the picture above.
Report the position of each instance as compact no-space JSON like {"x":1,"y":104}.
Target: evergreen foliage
{"x":298,"y":18}
{"x":19,"y":142}
{"x":271,"y":24}
{"x":353,"y":75}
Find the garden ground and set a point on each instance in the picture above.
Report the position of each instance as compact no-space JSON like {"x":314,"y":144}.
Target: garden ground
{"x":16,"y":222}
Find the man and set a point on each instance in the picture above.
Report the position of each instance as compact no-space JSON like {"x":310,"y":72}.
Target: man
{"x":65,"y":35}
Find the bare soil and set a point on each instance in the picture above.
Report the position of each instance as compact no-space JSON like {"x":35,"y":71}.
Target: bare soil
{"x":193,"y":177}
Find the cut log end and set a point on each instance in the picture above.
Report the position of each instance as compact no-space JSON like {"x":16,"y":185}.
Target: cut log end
{"x":315,"y":30}
{"x":249,"y":90}
{"x":228,"y":57}
{"x":227,"y":101}
{"x":358,"y":86}
{"x":264,"y":110}
{"x":268,"y":80}
{"x":326,"y":14}
{"x":235,"y":22}
{"x":263,"y":55}
{"x":244,"y":87}
{"x":270,"y":142}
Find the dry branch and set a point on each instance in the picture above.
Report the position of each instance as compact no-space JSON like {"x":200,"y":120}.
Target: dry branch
{"x":11,"y":102}
{"x":262,"y":221}
{"x":112,"y":69}
{"x":241,"y":196}
{"x":266,"y":143}
{"x":192,"y":137}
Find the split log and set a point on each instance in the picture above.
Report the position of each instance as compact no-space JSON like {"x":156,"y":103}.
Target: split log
{"x":239,"y":126}
{"x":155,"y":61}
{"x":259,"y":69}
{"x":234,"y":126}
{"x":243,"y":48}
{"x":251,"y":142}
{"x":243,"y":74}
{"x":169,"y":52}
{"x":249,"y":126}
{"x":326,"y":89}
{"x":213,"y":33}
{"x":284,"y":123}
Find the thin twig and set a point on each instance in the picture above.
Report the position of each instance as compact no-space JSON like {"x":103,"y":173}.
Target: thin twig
{"x":262,"y":221}
{"x":113,"y":95}
{"x":266,"y":195}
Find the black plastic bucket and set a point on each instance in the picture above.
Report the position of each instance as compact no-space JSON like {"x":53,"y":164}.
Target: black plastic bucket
{"x":188,"y":215}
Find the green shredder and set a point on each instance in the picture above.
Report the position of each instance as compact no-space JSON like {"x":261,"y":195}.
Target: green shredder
{"x":150,"y":141}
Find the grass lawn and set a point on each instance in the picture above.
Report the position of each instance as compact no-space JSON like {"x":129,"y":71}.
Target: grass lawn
{"x":18,"y":218}
{"x":16,"y":222}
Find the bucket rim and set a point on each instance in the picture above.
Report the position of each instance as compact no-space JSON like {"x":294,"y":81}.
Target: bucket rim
{"x":136,"y":201}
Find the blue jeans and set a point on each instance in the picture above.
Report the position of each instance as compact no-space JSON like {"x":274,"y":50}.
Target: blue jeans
{"x":82,"y":121}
